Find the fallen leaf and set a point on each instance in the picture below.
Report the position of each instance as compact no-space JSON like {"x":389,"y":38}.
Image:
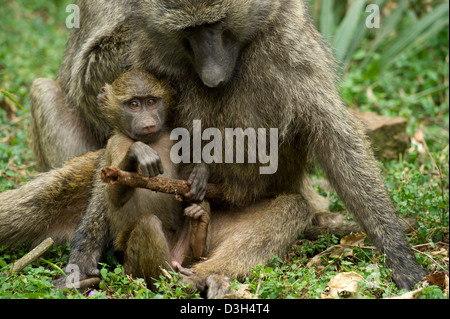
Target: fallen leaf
{"x":437,"y":279}
{"x":370,"y":94}
{"x":418,"y":136}
{"x":354,"y":240}
{"x":420,"y":147}
{"x":409,"y":295}
{"x":332,"y":251}
{"x":346,"y":281}
{"x":243,"y":292}
{"x":166,"y":273}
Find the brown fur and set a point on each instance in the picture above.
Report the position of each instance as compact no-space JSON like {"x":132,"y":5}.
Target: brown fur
{"x":147,"y":227}
{"x":50,"y":205}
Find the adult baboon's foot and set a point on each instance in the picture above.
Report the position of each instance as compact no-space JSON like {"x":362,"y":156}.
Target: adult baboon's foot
{"x":215,"y":286}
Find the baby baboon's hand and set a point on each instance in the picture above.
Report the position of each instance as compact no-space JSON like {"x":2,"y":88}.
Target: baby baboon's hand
{"x":199,"y":182}
{"x":145,"y":159}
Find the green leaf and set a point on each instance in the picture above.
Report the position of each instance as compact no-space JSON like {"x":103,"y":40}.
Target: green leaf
{"x":9,"y":96}
{"x":104,"y":273}
{"x":327,"y":18}
{"x":435,"y":20}
{"x":389,"y":24}
{"x":347,"y":29}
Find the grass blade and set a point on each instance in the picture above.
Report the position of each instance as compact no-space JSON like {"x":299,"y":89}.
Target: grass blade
{"x":347,"y":29}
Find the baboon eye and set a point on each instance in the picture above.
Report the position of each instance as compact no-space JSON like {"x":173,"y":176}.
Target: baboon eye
{"x":151,"y":102}
{"x":134,"y":104}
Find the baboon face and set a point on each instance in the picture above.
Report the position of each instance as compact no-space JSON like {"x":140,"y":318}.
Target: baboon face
{"x":143,"y":118}
{"x":136,"y":104}
{"x":210,"y":34}
{"x":213,"y":51}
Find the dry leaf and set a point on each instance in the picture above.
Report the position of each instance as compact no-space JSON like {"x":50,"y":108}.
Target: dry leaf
{"x":332,"y":251}
{"x":420,"y":147}
{"x":166,"y":273}
{"x":243,"y":292}
{"x":418,"y":136}
{"x":337,"y":251}
{"x":347,"y":281}
{"x":437,"y":279}
{"x":354,"y":240}
{"x":9,"y":107}
{"x":409,"y":295}
{"x":370,"y":94}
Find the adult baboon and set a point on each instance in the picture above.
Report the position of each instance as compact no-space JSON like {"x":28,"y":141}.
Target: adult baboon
{"x":234,"y":63}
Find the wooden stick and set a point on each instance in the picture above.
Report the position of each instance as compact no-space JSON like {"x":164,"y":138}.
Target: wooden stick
{"x":32,"y":255}
{"x":176,"y":187}
{"x":214,"y":194}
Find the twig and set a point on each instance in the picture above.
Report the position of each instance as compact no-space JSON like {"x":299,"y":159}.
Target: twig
{"x":214,"y":194}
{"x":32,"y":255}
{"x":175,"y":187}
{"x":432,"y":259}
{"x":259,"y":285}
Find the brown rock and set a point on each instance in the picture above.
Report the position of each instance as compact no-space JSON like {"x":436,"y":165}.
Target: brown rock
{"x":388,"y":134}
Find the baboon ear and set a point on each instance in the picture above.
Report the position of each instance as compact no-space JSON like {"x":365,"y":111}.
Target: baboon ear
{"x":101,"y":97}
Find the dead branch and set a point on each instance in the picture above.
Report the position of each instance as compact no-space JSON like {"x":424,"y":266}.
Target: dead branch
{"x":214,"y":193}
{"x":175,"y":187}
{"x":32,"y":255}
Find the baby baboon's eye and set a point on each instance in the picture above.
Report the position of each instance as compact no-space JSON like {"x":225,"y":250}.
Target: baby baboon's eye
{"x":134,"y":104}
{"x":151,"y":102}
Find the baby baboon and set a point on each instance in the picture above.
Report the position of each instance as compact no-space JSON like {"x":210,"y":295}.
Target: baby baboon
{"x":147,"y":226}
{"x":255,"y":64}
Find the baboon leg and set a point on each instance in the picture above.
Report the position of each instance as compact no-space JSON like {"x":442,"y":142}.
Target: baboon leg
{"x":57,"y":132}
{"x":50,"y":205}
{"x":242,"y":240}
{"x":199,"y":237}
{"x":181,"y":251}
{"x":147,"y":250}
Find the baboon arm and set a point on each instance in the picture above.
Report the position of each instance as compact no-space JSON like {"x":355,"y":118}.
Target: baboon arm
{"x":89,"y":241}
{"x":116,"y":155}
{"x":345,"y":154}
{"x":94,"y":52}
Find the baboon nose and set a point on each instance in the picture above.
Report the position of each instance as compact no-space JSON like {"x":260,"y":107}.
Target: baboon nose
{"x":213,"y":77}
{"x":213,"y":85}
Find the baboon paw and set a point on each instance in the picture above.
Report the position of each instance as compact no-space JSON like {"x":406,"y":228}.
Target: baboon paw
{"x":194,"y":281}
{"x":408,"y":280}
{"x":64,"y":282}
{"x":327,"y":219}
{"x":217,"y":286}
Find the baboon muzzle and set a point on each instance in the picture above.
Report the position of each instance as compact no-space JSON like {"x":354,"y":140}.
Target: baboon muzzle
{"x":214,"y":53}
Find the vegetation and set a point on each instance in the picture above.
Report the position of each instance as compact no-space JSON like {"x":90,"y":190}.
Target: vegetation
{"x":399,"y":69}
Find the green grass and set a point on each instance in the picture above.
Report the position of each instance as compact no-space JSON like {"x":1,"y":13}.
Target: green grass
{"x":398,"y":70}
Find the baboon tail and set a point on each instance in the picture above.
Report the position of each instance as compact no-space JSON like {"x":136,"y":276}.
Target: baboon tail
{"x":50,"y":205}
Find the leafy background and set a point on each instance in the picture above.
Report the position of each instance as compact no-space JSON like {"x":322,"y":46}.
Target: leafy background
{"x":400,"y":69}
